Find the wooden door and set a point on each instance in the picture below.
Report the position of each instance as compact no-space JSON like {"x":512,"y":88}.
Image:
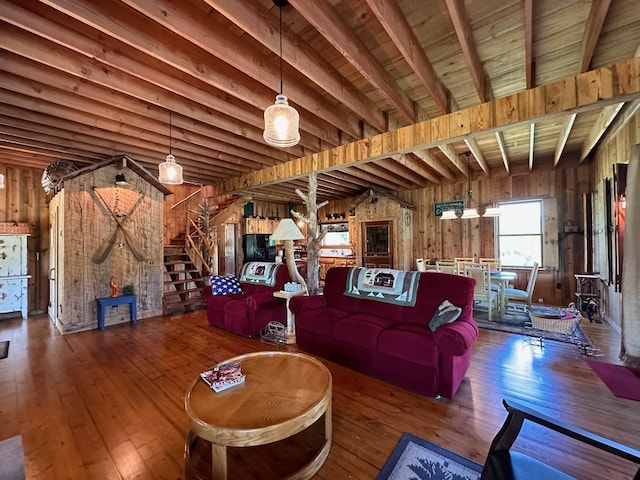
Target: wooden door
{"x":377,"y":244}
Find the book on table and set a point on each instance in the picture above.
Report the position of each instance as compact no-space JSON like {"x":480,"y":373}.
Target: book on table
{"x":223,"y":376}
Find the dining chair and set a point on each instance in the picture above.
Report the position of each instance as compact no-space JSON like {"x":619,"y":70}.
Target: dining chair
{"x":482,"y":291}
{"x":420,"y":265}
{"x":447,"y":266}
{"x":516,"y":295}
{"x":494,"y":263}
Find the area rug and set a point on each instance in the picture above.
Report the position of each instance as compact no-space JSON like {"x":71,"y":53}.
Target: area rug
{"x":623,"y":381}
{"x":4,"y":349}
{"x":520,"y":324}
{"x":416,"y":459}
{"x":12,"y":459}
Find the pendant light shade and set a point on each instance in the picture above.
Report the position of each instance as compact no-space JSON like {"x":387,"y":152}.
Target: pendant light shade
{"x":470,"y":213}
{"x":281,"y":124}
{"x":448,"y":215}
{"x":491,"y":212}
{"x":170,"y":172}
{"x":281,"y":120}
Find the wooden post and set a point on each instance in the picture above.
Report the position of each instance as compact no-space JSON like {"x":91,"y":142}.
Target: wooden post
{"x":314,"y":236}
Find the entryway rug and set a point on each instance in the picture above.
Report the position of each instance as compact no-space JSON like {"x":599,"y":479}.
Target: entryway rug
{"x":623,"y":381}
{"x":416,"y":459}
{"x":4,"y":349}
{"x":520,"y":324}
{"x":12,"y":459}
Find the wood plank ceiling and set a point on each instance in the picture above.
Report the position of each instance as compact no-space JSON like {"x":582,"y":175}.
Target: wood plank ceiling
{"x":84,"y":80}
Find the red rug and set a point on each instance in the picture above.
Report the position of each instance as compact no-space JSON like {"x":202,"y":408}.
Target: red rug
{"x":623,"y":381}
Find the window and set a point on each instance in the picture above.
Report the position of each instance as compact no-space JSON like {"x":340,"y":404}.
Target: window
{"x":520,"y":233}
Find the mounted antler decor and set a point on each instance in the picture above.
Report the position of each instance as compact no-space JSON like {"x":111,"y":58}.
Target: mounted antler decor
{"x":314,"y":236}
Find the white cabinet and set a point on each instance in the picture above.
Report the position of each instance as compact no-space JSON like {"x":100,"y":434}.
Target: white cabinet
{"x":13,"y":274}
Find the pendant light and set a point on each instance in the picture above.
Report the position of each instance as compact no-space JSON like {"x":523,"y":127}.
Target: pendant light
{"x":170,"y":171}
{"x":470,"y":211}
{"x":281,"y":121}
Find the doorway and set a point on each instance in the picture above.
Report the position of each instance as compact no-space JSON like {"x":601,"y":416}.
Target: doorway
{"x":377,"y":245}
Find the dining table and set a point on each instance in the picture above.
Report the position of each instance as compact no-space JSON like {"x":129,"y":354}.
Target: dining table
{"x":502,"y":280}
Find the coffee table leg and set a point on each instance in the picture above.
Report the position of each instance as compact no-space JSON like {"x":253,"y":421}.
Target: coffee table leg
{"x":218,"y":462}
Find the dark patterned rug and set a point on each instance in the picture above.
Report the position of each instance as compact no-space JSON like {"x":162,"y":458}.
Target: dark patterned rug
{"x":519,"y":323}
{"x":416,"y":459}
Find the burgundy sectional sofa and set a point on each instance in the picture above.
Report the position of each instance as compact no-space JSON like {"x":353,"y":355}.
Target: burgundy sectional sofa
{"x":249,"y":312}
{"x":389,"y":341}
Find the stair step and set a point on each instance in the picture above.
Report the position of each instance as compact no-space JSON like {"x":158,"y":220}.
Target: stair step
{"x":185,"y":280}
{"x":182,"y":270}
{"x":191,"y":301}
{"x":182,"y":292}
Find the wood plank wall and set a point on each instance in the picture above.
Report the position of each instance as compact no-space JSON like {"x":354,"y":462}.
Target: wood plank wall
{"x":616,"y":148}
{"x":23,"y":200}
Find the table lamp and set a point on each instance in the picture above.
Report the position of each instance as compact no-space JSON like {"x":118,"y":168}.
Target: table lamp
{"x":287,"y":231}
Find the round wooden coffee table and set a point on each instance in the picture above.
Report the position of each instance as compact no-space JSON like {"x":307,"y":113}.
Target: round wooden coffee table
{"x":283,"y":394}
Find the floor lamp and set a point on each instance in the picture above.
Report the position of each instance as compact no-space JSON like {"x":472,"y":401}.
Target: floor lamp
{"x":287,"y":232}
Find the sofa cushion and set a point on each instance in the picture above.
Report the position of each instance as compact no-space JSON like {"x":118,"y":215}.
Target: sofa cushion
{"x":409,"y":342}
{"x":320,"y":321}
{"x":447,"y":312}
{"x":224,"y":284}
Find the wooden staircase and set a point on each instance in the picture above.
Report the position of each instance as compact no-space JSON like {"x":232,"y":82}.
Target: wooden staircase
{"x":183,"y":281}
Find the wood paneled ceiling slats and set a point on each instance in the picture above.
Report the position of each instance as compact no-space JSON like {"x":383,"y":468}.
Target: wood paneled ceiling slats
{"x":93,"y":79}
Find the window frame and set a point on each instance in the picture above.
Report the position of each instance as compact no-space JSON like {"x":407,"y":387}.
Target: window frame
{"x":499,"y":236}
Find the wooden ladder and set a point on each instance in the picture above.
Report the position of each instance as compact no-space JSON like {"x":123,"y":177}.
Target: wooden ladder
{"x":183,"y":281}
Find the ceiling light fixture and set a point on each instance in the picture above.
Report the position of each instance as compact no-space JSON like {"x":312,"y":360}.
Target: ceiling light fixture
{"x":170,"y":171}
{"x":281,"y":120}
{"x":470,"y":211}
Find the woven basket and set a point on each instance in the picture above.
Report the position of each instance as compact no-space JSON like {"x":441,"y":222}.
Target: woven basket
{"x":558,"y":325}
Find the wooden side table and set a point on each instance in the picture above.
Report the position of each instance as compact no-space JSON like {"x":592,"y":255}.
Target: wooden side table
{"x":291,"y":319}
{"x":112,"y":302}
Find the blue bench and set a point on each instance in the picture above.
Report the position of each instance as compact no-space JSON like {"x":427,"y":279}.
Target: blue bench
{"x":114,"y":301}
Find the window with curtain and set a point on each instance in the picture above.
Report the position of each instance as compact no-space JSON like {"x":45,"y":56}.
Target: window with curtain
{"x":520,"y":233}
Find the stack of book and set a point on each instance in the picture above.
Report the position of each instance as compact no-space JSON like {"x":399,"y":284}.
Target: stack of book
{"x":223,"y":376}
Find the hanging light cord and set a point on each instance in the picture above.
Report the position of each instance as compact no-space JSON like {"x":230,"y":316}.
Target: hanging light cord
{"x":169,"y":132}
{"x":280,"y":50}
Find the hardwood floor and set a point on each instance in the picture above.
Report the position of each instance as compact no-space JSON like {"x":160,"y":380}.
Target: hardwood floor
{"x":110,"y":404}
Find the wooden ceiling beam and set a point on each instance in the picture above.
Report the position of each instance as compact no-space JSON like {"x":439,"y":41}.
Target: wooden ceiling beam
{"x":89,"y":98}
{"x":120,"y":22}
{"x":503,"y":150}
{"x":528,"y":47}
{"x":579,"y":93}
{"x":396,"y":25}
{"x":454,"y":158}
{"x":416,"y":166}
{"x":326,"y":20}
{"x":215,"y":108}
{"x":432,"y":162}
{"x":462,"y":26}
{"x":567,"y":125}
{"x":264,"y":27}
{"x":400,"y":171}
{"x":593,"y":28}
{"x":187,"y":21}
{"x":475,"y":149}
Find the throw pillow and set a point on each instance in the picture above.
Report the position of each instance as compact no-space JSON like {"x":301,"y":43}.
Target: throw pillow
{"x":447,"y":312}
{"x":224,"y":284}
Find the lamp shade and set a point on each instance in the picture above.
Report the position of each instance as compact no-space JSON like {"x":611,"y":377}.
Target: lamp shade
{"x":120,"y":179}
{"x":281,"y":124}
{"x":491,"y":212}
{"x":470,"y":213}
{"x":287,"y":230}
{"x":170,"y":171}
{"x":448,"y":215}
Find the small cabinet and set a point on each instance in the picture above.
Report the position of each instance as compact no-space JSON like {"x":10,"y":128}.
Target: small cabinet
{"x":377,"y":244}
{"x":13,"y":274}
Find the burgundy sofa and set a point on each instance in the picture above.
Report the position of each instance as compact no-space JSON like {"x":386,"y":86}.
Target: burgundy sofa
{"x":392,"y":342}
{"x":248,"y":312}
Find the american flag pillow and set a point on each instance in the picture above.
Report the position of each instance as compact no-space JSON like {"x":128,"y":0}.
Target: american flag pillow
{"x":224,"y":284}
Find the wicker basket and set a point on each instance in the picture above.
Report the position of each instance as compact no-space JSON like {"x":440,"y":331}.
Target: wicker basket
{"x":558,"y":325}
